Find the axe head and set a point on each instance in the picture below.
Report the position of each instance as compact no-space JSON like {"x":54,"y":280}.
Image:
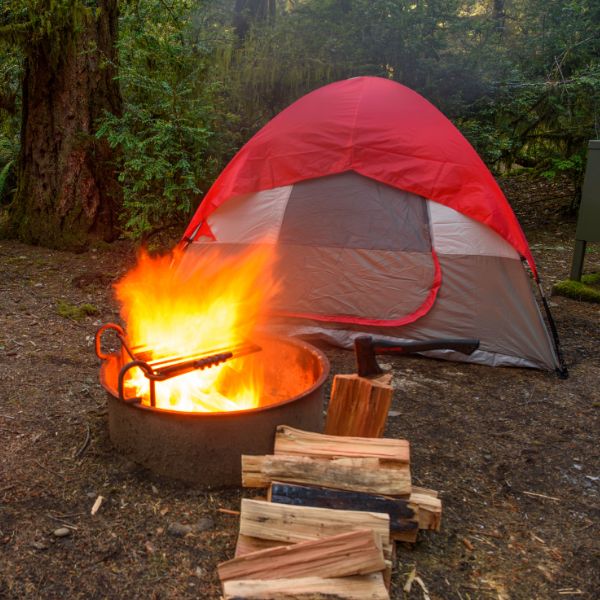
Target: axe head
{"x":366,"y":361}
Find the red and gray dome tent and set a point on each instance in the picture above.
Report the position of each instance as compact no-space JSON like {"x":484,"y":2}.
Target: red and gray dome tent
{"x":386,"y":222}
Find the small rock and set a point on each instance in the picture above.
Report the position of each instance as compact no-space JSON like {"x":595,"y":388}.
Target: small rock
{"x":179,"y":529}
{"x":394,"y":413}
{"x":199,"y":572}
{"x":39,"y":545}
{"x":61,"y":532}
{"x":386,"y":366}
{"x":204,"y":524}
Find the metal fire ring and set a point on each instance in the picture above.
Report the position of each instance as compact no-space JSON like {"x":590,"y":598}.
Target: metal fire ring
{"x":204,"y":449}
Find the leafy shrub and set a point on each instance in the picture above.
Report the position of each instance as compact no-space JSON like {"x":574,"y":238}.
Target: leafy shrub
{"x":167,"y":134}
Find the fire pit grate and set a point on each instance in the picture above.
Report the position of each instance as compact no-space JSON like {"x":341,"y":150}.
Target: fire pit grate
{"x":164,"y":368}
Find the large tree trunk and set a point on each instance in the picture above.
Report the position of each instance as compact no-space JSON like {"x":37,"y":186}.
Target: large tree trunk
{"x":68,"y":192}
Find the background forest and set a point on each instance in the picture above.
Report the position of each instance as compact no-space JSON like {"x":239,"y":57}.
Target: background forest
{"x":520,"y":78}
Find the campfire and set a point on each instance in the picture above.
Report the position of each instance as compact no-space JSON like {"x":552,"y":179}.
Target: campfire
{"x":187,"y":332}
{"x":194,"y":384}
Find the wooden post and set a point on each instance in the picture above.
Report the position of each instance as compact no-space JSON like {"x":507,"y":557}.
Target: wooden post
{"x":358,"y":406}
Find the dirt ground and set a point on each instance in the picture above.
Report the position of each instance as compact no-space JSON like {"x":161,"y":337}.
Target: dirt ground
{"x":514,"y":453}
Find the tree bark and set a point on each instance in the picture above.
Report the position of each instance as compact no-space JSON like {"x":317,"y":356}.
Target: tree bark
{"x":68,"y":193}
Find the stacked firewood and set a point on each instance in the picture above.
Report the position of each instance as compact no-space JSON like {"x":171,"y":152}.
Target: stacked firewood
{"x":335,"y":506}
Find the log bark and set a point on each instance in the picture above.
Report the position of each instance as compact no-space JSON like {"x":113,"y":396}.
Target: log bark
{"x":68,"y":191}
{"x":404,"y":515}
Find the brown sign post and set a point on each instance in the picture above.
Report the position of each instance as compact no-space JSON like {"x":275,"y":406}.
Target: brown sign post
{"x":588,"y":222}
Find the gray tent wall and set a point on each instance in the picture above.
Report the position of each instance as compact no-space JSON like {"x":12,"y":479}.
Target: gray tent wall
{"x":353,"y":247}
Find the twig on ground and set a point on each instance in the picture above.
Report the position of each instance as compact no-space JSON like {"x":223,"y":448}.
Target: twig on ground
{"x":424,"y":588}
{"x":96,"y":506}
{"x":409,"y":581}
{"x":85,"y":444}
{"x":536,"y":495}
{"x":228,"y":511}
{"x":63,"y":522}
{"x":467,"y":544}
{"x":69,"y":515}
{"x":8,"y":417}
{"x":487,"y":533}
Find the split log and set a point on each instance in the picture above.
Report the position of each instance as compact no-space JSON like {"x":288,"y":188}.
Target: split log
{"x":358,"y":406}
{"x":430,"y":510}
{"x":293,"y":524}
{"x":283,"y":524}
{"x":425,"y":491}
{"x":308,"y":588}
{"x":403,"y":513}
{"x":246,"y":545}
{"x":355,"y":553}
{"x":318,"y":445}
{"x":288,"y":524}
{"x":370,"y":475}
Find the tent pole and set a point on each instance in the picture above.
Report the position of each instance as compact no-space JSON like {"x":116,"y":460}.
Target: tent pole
{"x":561,"y":371}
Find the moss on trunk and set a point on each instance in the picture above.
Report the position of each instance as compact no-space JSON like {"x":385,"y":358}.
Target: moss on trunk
{"x":68,"y":191}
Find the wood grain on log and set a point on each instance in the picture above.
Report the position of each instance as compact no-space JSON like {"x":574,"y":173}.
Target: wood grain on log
{"x":355,"y":553}
{"x":317,"y":445}
{"x":370,"y":475}
{"x":360,"y":587}
{"x":358,"y":406}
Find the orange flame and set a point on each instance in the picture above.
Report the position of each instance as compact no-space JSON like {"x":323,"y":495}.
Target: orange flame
{"x":189,"y":303}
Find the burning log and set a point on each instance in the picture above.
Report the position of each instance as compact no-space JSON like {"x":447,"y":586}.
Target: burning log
{"x":358,"y":406}
{"x":308,"y":588}
{"x":403,"y":513}
{"x":295,"y":442}
{"x":313,"y":588}
{"x":355,"y":553}
{"x":372,"y":475}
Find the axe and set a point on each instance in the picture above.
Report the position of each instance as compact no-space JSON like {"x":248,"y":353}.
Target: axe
{"x":366,"y":349}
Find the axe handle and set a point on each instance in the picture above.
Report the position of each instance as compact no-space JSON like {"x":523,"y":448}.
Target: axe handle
{"x":366,"y":349}
{"x":465,"y":346}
